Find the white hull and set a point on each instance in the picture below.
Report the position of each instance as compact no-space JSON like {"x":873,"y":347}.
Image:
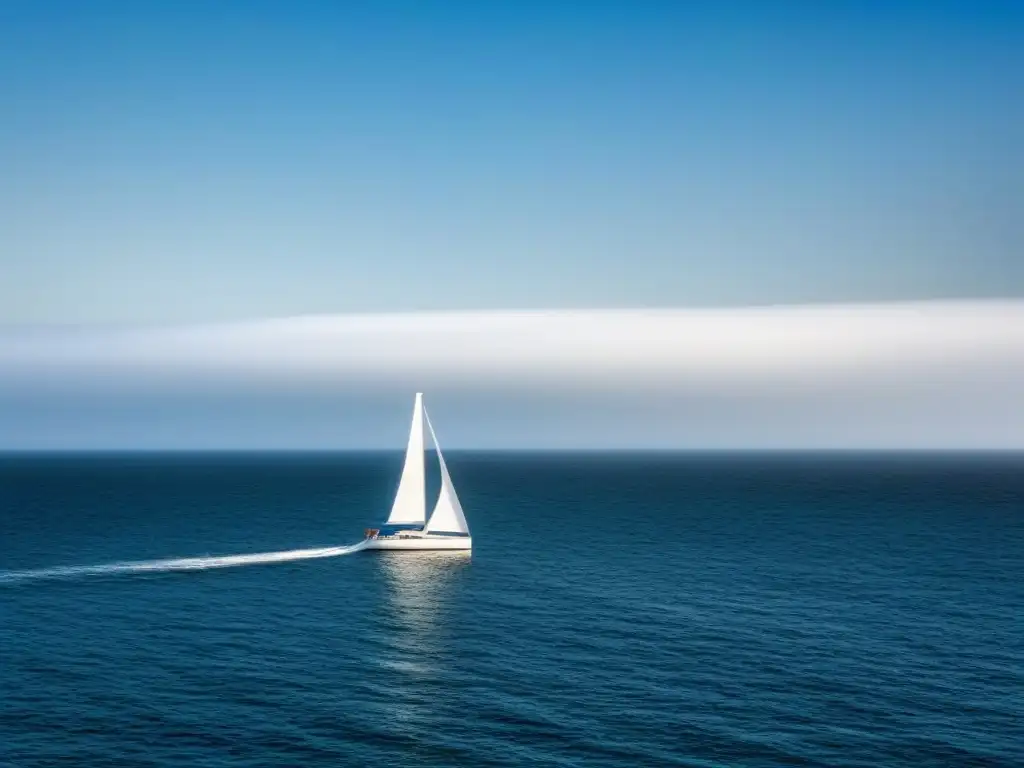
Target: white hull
{"x":420,"y":542}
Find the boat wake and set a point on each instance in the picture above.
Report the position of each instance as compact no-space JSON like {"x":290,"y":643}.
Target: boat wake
{"x":176,"y":564}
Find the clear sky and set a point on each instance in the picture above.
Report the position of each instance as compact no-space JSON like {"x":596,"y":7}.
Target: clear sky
{"x":205,"y":161}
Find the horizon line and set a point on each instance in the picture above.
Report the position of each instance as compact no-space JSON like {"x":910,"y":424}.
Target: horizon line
{"x":539,"y":449}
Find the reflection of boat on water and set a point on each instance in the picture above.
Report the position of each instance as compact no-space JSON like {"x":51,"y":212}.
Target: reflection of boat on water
{"x":416,"y":577}
{"x":408,"y":527}
{"x":421,"y":587}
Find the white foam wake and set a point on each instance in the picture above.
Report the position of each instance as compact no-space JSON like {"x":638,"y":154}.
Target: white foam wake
{"x":176,"y":564}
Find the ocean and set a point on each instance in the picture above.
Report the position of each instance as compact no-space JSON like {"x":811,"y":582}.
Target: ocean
{"x":617,"y":610}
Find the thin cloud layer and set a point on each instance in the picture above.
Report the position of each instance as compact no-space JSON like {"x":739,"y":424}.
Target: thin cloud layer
{"x":934,"y":374}
{"x":574,"y":345}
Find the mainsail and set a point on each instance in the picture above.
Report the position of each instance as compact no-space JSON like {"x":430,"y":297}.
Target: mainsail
{"x":410,"y":505}
{"x":447,"y":516}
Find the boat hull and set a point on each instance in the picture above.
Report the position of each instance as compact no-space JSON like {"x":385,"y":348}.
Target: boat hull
{"x":409,"y":543}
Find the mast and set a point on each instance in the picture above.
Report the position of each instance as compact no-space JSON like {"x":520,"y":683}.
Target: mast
{"x":410,"y":505}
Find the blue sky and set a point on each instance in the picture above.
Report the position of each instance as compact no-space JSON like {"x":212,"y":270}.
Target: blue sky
{"x":202,"y":167}
{"x":184,"y":162}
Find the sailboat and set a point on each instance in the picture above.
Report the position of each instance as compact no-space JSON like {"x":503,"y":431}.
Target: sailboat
{"x":408,"y":526}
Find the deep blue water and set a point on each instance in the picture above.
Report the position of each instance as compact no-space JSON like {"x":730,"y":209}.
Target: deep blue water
{"x":617,"y":610}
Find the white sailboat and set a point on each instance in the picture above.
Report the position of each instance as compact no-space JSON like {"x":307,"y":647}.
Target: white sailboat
{"x":408,"y":526}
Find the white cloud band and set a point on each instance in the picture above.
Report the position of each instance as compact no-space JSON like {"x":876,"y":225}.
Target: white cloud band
{"x":939,"y":374}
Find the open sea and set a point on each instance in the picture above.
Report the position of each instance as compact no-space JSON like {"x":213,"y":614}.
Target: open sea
{"x":617,"y":610}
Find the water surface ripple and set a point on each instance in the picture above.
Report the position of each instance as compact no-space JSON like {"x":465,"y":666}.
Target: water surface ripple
{"x":617,"y":611}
